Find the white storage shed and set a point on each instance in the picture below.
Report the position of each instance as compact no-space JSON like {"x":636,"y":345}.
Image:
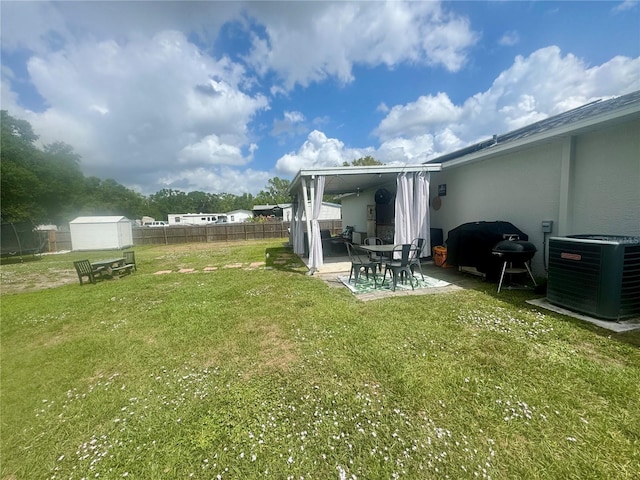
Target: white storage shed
{"x":239,"y":216}
{"x":101,"y":233}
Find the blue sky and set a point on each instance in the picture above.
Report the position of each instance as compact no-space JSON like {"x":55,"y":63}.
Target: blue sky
{"x":222,"y":96}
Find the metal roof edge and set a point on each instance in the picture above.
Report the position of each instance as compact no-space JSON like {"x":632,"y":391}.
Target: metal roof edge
{"x":482,"y":151}
{"x":374,"y":169}
{"x":361,"y":170}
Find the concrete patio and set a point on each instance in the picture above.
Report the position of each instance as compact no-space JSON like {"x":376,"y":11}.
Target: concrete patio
{"x":335,"y":267}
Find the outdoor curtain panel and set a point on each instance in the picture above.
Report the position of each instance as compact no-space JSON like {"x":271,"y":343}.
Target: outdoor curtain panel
{"x":315,"y":253}
{"x":298,"y":230}
{"x":412,"y":209}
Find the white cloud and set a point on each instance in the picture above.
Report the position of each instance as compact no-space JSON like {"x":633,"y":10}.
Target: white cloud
{"x":509,"y":39}
{"x":290,"y":125}
{"x":414,"y":118}
{"x":403,"y":150}
{"x":624,"y":6}
{"x":311,"y":41}
{"x":41,"y":26}
{"x":211,"y":151}
{"x":319,"y":151}
{"x":143,"y":106}
{"x":533,"y":88}
{"x":223,"y":179}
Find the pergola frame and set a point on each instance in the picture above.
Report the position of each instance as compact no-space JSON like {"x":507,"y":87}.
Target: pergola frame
{"x":336,"y":181}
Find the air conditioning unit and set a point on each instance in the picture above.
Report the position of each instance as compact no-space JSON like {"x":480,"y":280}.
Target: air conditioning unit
{"x":598,"y":275}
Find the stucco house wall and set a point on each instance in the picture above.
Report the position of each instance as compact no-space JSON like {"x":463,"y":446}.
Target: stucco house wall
{"x":606,"y":182}
{"x":354,"y":210}
{"x":526,"y":186}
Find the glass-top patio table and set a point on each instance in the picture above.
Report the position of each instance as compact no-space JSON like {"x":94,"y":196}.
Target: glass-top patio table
{"x":400,"y":264}
{"x":388,"y":248}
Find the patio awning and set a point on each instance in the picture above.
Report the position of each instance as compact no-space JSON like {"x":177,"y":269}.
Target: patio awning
{"x":309,"y":185}
{"x":340,"y":180}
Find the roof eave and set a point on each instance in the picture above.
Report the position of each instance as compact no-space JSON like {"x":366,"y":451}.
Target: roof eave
{"x":619,"y":115}
{"x":361,"y":170}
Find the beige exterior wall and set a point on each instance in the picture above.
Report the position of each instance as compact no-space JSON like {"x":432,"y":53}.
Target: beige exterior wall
{"x":600,"y":194}
{"x":606,"y":182}
{"x":354,"y":208}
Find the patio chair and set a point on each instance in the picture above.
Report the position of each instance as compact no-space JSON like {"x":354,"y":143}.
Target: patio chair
{"x":85,"y":269}
{"x":376,"y":257}
{"x":360,"y":262}
{"x":399,"y":265}
{"x":414,"y":255}
{"x":130,"y":259}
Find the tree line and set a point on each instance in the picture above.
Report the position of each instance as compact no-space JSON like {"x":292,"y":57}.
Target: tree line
{"x":46,"y":185}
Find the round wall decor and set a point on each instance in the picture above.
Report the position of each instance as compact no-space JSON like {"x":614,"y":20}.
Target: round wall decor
{"x":382,"y":196}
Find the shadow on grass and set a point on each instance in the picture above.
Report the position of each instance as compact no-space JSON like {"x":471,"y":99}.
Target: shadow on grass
{"x":13,"y":259}
{"x":283,"y":258}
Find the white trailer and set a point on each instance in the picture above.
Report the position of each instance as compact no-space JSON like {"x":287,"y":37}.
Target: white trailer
{"x":196,"y":218}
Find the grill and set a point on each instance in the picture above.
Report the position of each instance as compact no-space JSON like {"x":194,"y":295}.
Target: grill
{"x":513,"y":253}
{"x":470,"y":246}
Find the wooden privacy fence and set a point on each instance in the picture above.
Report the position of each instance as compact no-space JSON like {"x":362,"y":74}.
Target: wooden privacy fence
{"x":61,"y":240}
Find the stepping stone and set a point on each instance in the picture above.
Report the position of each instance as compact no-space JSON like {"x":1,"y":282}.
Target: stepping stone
{"x":163,"y":272}
{"x":256,"y":264}
{"x":233,"y":265}
{"x":186,"y":270}
{"x":279,"y":262}
{"x":210,"y":269}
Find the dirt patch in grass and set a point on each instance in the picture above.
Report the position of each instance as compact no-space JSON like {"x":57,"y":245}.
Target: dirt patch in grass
{"x":591,"y":351}
{"x":23,"y":282}
{"x":277,"y":350}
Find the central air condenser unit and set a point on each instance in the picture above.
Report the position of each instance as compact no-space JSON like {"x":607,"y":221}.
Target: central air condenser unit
{"x":598,"y":275}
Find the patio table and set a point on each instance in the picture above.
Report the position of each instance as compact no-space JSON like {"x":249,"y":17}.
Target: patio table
{"x":382,"y":249}
{"x":385,"y":251}
{"x":108,"y":265}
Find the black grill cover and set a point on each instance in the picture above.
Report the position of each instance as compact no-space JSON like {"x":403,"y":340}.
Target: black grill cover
{"x":471,"y":245}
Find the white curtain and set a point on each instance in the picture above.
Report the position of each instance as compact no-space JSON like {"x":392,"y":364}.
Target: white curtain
{"x":315,"y":252}
{"x":412,"y":209}
{"x":298,"y":229}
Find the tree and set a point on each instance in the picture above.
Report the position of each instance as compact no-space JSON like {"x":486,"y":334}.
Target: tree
{"x":363,"y":162}
{"x":108,"y":197}
{"x":277,"y":192}
{"x":20,"y":185}
{"x":64,"y":188}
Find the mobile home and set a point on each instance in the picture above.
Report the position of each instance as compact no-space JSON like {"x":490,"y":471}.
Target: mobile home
{"x":196,"y":218}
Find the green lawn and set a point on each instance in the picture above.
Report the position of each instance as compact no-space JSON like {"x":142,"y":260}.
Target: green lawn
{"x":269,"y":373}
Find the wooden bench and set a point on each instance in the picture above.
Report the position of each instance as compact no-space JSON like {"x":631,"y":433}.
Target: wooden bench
{"x":122,"y":270}
{"x":85,"y":269}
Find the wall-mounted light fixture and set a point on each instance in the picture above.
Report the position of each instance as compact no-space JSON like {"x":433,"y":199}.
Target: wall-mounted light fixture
{"x":358,"y":192}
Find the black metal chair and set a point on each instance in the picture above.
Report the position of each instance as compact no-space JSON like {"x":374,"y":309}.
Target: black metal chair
{"x":130,"y":259}
{"x":360,"y":261}
{"x":376,"y":257}
{"x":85,"y":269}
{"x":414,"y":255}
{"x":399,"y":265}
